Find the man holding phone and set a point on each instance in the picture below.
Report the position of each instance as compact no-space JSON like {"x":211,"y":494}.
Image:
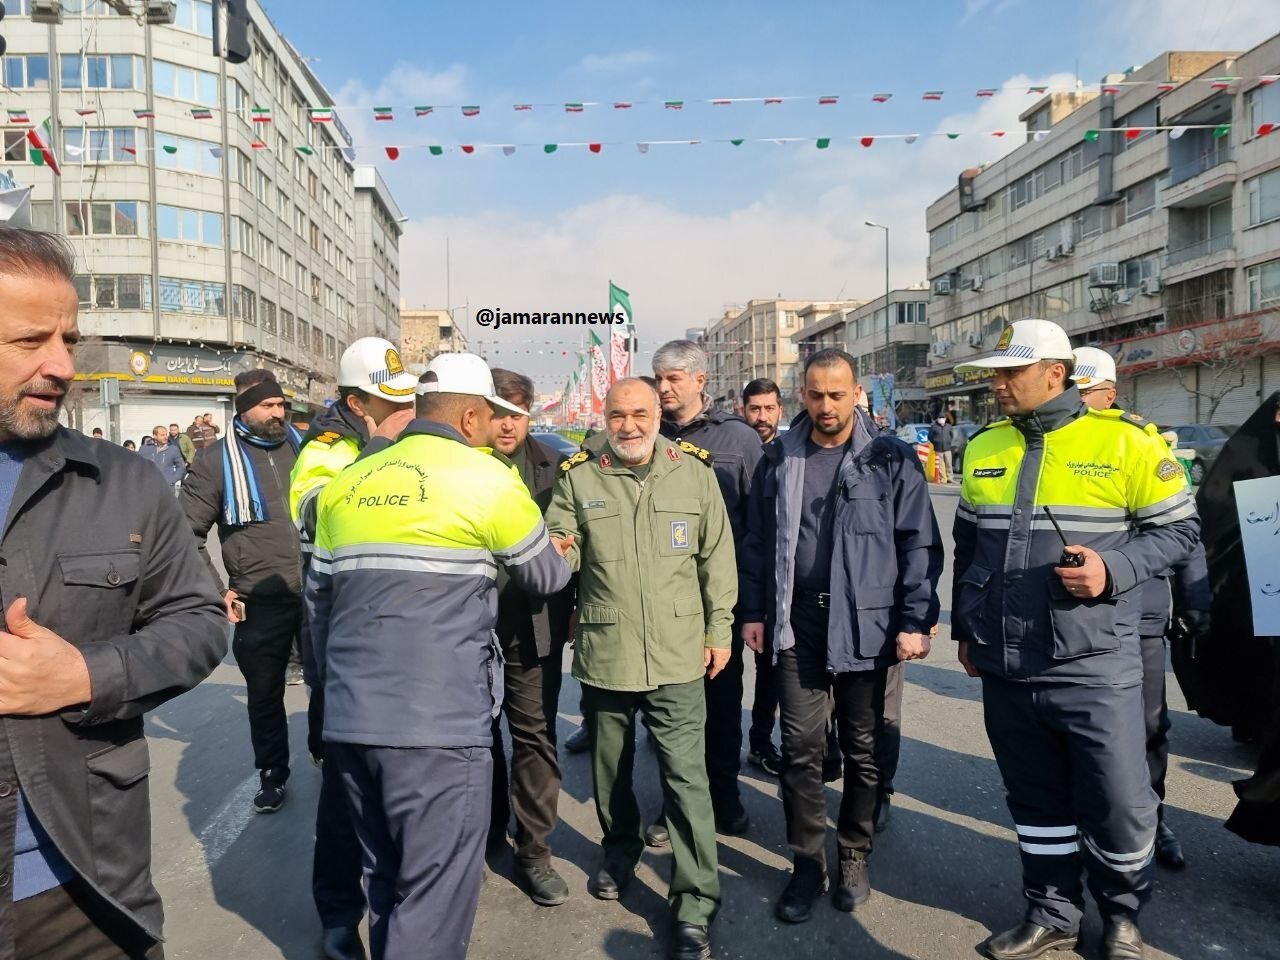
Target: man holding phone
{"x":241,"y":483}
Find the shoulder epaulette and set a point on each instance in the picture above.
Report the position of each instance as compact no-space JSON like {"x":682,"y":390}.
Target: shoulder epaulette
{"x":328,"y":438}
{"x":695,"y":451}
{"x":1124,"y":416}
{"x":582,"y":456}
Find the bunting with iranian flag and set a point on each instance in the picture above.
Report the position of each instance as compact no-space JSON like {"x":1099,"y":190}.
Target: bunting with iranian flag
{"x":599,"y":376}
{"x":620,"y":335}
{"x":41,"y":141}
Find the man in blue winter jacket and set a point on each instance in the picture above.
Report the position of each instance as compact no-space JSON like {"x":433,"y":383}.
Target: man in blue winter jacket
{"x":841,"y":560}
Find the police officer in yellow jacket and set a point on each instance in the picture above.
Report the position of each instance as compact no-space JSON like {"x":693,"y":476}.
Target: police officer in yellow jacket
{"x":657,"y":582}
{"x":402,"y":601}
{"x":1051,"y":626}
{"x":374,"y":391}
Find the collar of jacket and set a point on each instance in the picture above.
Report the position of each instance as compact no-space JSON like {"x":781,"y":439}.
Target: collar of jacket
{"x":337,"y":419}
{"x":659,"y":463}
{"x":539,"y":454}
{"x":50,"y":456}
{"x":433,"y":428}
{"x":1052,"y":414}
{"x":792,"y":443}
{"x":707,"y":414}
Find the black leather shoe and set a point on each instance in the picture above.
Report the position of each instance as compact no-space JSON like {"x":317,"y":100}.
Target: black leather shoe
{"x":1168,"y":849}
{"x":855,"y":884}
{"x":656,"y":835}
{"x":768,"y":759}
{"x":610,"y":880}
{"x":1028,"y":940}
{"x":881,"y":820}
{"x":343,"y":943}
{"x":1121,"y":940}
{"x":808,"y":882}
{"x":731,"y":817}
{"x":579,"y":741}
{"x":690,"y":941}
{"x":543,"y":883}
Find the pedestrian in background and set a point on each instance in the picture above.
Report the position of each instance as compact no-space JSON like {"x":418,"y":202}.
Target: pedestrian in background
{"x":183,"y":442}
{"x":166,"y":457}
{"x":241,"y":484}
{"x":106,"y":614}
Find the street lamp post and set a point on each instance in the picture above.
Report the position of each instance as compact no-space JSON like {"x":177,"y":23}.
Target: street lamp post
{"x":887,"y":350}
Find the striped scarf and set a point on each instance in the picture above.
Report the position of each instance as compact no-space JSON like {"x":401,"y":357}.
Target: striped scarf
{"x":242,"y":501}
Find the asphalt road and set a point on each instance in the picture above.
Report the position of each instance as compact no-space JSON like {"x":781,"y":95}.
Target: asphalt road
{"x":237,"y":885}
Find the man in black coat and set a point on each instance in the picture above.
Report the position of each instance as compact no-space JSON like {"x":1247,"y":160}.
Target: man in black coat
{"x":533,"y":634}
{"x":107,"y":613}
{"x":263,"y":558}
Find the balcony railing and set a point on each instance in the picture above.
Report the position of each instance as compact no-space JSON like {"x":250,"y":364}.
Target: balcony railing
{"x":1214,"y":152}
{"x":1201,"y":248}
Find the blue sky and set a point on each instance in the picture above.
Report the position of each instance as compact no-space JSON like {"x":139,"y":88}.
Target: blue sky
{"x":689,"y":229}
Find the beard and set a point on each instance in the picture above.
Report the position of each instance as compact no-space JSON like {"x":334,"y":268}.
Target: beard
{"x":268,"y":429}
{"x":830,"y":429}
{"x":25,"y":423}
{"x":635,"y":450}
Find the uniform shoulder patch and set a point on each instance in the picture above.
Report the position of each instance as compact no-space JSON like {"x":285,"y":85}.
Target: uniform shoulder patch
{"x":695,"y":451}
{"x":1167,"y":469}
{"x":582,"y":456}
{"x":328,"y":438}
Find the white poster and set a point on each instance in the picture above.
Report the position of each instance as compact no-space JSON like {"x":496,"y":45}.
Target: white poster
{"x":1258,"y":505}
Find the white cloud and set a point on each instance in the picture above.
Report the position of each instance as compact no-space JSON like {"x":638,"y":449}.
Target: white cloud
{"x":1151,"y":26}
{"x":804,"y":239}
{"x":616,"y":62}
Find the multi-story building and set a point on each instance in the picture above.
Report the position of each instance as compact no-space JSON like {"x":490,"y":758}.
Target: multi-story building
{"x":1161,"y":246}
{"x":213,"y":219}
{"x":425,"y":332}
{"x":378,"y":231}
{"x":755,"y":341}
{"x":897,"y":344}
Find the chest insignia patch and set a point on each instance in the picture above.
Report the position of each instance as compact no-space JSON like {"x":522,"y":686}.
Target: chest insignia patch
{"x":990,"y":472}
{"x":679,"y":534}
{"x":673,"y":454}
{"x":1167,"y":469}
{"x":591,"y":504}
{"x":606,"y":461}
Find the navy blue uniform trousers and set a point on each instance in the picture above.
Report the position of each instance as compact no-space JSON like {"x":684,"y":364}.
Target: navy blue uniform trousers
{"x":422,"y":814}
{"x":1156,"y":708}
{"x":1074,"y":764}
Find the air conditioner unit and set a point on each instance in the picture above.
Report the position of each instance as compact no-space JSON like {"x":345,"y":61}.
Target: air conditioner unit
{"x":1051,"y":252}
{"x":1150,"y":287}
{"x":942,"y":287}
{"x":974,"y":339}
{"x":1067,"y":247}
{"x":1098,"y":304}
{"x":940,"y":348}
{"x":1123,"y":295}
{"x":1104,"y":275}
{"x":976,"y":283}
{"x":46,"y":11}
{"x":161,"y":12}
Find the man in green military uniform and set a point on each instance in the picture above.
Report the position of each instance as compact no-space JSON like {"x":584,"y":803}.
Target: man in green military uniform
{"x":656,"y":588}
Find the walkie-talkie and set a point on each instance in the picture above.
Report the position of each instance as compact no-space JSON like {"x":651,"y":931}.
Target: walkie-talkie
{"x":1067,"y":559}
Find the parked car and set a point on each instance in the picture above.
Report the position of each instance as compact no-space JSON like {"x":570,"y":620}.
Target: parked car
{"x":1205,"y":440}
{"x":960,"y":434}
{"x":561,"y":445}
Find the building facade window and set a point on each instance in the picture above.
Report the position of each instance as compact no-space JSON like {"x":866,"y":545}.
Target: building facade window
{"x":99,"y":145}
{"x":1264,"y":285}
{"x":106,"y":218}
{"x":188,"y":226}
{"x":1264,"y":197}
{"x":1262,"y":105}
{"x":26,"y":71}
{"x":190,"y":156}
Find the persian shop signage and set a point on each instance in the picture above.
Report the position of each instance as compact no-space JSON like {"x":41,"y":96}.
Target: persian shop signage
{"x":1198,"y":343}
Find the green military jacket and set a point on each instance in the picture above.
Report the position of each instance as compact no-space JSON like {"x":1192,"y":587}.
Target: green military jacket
{"x":657,"y":574}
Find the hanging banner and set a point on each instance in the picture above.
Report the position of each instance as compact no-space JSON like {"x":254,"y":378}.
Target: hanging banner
{"x":599,"y":378}
{"x":620,"y":337}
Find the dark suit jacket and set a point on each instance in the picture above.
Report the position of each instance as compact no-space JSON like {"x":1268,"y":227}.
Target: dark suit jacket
{"x":532,"y":623}
{"x":97,"y":544}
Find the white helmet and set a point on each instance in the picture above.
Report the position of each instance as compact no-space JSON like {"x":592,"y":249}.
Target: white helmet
{"x":1093,"y":366}
{"x":373,"y":365}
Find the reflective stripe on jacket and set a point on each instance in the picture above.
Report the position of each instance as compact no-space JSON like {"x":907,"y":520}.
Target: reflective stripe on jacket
{"x":401,"y":594}
{"x":1113,"y":486}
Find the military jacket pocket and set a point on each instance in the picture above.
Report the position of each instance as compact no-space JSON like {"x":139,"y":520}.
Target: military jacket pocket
{"x":677,"y":521}
{"x":602,"y":529}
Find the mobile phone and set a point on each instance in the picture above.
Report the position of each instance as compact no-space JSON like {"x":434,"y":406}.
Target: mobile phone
{"x":237,"y":607}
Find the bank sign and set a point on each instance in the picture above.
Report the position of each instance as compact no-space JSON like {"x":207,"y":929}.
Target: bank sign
{"x":1203,"y":343}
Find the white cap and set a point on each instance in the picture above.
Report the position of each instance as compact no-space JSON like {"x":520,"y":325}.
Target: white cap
{"x":373,"y":365}
{"x":466,"y":373}
{"x":1093,"y":366}
{"x":1023,"y":343}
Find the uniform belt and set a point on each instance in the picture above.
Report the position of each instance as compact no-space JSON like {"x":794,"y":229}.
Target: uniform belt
{"x":822,"y":600}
